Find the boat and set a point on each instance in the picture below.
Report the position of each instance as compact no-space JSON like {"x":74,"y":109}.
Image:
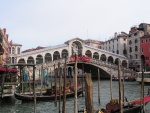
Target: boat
{"x":113,"y":107}
{"x":133,"y":106}
{"x":46,"y":96}
{"x":146,"y":76}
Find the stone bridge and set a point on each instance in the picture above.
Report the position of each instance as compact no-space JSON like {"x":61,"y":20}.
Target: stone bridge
{"x":106,"y":69}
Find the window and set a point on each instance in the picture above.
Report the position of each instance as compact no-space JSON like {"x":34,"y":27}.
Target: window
{"x":141,"y":41}
{"x":124,"y":39}
{"x":142,"y":50}
{"x":124,"y":45}
{"x":130,"y":56}
{"x":130,"y":42}
{"x":136,"y":41}
{"x":146,"y":58}
{"x":130,"y":49}
{"x":136,"y":48}
{"x":18,"y":50}
{"x":136,"y":56}
{"x":117,"y":51}
{"x":13,"y":50}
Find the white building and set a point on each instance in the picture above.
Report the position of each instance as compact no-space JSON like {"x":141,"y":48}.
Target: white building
{"x":117,"y":44}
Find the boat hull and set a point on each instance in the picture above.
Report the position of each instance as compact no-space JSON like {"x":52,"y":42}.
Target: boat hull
{"x":39,"y":97}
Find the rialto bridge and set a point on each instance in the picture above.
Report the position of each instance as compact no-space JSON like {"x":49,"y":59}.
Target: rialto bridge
{"x":47,"y":57}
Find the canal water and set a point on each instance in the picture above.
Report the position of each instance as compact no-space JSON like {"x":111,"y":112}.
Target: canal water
{"x":132,"y":91}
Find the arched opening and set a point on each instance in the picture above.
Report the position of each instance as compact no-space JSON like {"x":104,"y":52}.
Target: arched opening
{"x":56,"y":55}
{"x":64,"y":53}
{"x":76,"y":47}
{"x":110,"y":59}
{"x":116,"y":61}
{"x":39,"y":59}
{"x":30,"y":60}
{"x":96,"y":55}
{"x":103,"y":57}
{"x":88,"y":53}
{"x":48,"y":57}
{"x":21,"y":61}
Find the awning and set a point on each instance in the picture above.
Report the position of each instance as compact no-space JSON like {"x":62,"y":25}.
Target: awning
{"x":7,"y":69}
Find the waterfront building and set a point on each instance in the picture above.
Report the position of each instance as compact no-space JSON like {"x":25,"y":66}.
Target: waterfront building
{"x":4,"y":45}
{"x":145,"y":50}
{"x":14,"y":49}
{"x":133,"y":42}
{"x":117,"y":44}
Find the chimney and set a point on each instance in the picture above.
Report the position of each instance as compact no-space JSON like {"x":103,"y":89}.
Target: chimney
{"x":4,"y":30}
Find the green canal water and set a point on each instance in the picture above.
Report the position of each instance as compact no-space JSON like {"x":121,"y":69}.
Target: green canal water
{"x":131,"y":91}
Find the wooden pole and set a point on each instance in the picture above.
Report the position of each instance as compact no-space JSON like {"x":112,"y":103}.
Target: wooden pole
{"x":98,"y":86}
{"x":34,"y":89}
{"x":51,"y":77}
{"x":64,"y":89}
{"x":111,"y":96}
{"x":55,"y":86}
{"x":142,"y":83}
{"x":75,"y":86}
{"x":89,"y":94}
{"x":59,"y":85}
{"x":82,"y":79}
{"x":120,"y":88}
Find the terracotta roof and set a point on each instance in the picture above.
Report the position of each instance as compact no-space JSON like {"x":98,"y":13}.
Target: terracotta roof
{"x":33,"y":49}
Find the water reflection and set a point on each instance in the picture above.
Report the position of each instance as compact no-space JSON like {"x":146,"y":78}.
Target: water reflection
{"x":132,"y":91}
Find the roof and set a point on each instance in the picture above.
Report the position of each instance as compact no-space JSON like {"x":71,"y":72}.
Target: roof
{"x":33,"y":49}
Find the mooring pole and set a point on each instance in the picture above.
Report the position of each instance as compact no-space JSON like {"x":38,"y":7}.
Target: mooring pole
{"x":142,"y":83}
{"x":111,"y":83}
{"x":64,"y":89}
{"x":98,"y":86}
{"x":82,"y":79}
{"x":75,"y":86}
{"x":120,"y":88}
{"x":55,"y":86}
{"x":34,"y":89}
{"x":89,"y":94}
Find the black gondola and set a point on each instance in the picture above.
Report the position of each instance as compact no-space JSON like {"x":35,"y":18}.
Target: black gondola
{"x":43,"y":96}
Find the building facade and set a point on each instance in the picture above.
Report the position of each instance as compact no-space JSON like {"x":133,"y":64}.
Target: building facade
{"x":133,"y":42}
{"x":145,"y":50}
{"x":117,"y":44}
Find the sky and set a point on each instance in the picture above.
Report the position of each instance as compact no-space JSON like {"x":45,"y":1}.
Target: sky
{"x":45,"y":23}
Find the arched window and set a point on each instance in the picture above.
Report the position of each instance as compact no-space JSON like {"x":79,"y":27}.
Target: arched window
{"x":18,"y":50}
{"x":130,"y":42}
{"x":13,"y":50}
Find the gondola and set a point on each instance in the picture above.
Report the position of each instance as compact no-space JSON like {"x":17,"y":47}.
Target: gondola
{"x":133,"y":106}
{"x":43,"y":96}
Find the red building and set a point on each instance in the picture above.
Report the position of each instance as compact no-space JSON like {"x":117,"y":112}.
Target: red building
{"x":145,"y":49}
